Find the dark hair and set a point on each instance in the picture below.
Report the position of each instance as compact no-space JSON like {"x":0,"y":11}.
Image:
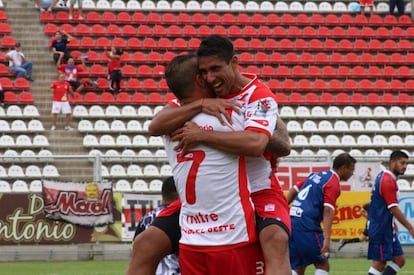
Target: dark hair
{"x":119,"y":51}
{"x":168,"y":190}
{"x":180,"y":74}
{"x":343,"y":159}
{"x":398,"y":154}
{"x":216,"y":45}
{"x":17,"y":44}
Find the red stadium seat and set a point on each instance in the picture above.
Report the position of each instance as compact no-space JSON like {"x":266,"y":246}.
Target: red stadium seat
{"x":128,"y":30}
{"x":168,"y":18}
{"x":327,"y":98}
{"x":48,"y":29}
{"x":96,"y":29}
{"x":279,"y":31}
{"x":10,"y":97}
{"x":108,"y":17}
{"x":123,"y":17}
{"x":113,"y":29}
{"x":374,"y":71}
{"x":129,"y":70}
{"x":179,"y":43}
{"x":388,"y":98}
{"x":21,"y":83}
{"x":365,"y":85}
{"x":98,"y":70}
{"x":304,"y":84}
{"x":199,"y":18}
{"x":335,"y":85}
{"x":346,"y":19}
{"x":168,"y":97}
{"x":342,"y":98}
{"x":75,"y":98}
{"x":274,"y":85}
{"x":174,"y":30}
{"x":287,"y":19}
{"x":289,"y":84}
{"x":189,"y":30}
{"x":26,"y":98}
{"x":328,"y":71}
{"x":138,"y":18}
{"x":350,"y":85}
{"x":149,"y":43}
{"x":154,"y":57}
{"x":396,"y":85}
{"x":373,"y":98}
{"x":93,"y":17}
{"x":272,"y":19}
{"x":319,"y":85}
{"x":296,"y":98}
{"x":87,"y":42}
{"x":314,"y":71}
{"x":149,"y":84}
{"x":62,"y":16}
{"x":134,"y":43}
{"x":309,"y":31}
{"x":312,"y":98}
{"x":404,"y":98}
{"x":139,"y":98}
{"x":103,"y":42}
{"x":91,"y":98}
{"x":133,"y":84}
{"x":184,"y":18}
{"x":6,"y":83}
{"x":123,"y":98}
{"x":213,"y":18}
{"x":144,"y":30}
{"x":118,"y":42}
{"x":358,"y":98}
{"x":281,"y":98}
{"x":159,"y":30}
{"x":155,"y":98}
{"x":228,"y":18}
{"x":8,"y":41}
{"x":46,"y":17}
{"x":107,"y":98}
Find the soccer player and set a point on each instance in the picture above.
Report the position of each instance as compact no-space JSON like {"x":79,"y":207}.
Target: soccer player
{"x":141,"y":257}
{"x":274,"y":223}
{"x":383,"y":244}
{"x":314,"y":202}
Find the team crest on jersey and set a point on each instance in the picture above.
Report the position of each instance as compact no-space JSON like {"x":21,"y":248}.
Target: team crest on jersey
{"x":269,"y":207}
{"x":263,"y":106}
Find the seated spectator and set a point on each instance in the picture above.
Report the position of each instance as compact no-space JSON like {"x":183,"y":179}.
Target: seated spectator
{"x":18,"y":63}
{"x":59,"y":47}
{"x":44,"y":5}
{"x":71,"y":71}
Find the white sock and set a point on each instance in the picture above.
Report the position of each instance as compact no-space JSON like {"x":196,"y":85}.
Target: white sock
{"x":294,"y":272}
{"x":394,"y":266}
{"x":373,"y":271}
{"x":321,"y":272}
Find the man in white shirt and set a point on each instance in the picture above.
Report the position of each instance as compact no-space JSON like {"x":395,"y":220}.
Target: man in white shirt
{"x":18,"y":63}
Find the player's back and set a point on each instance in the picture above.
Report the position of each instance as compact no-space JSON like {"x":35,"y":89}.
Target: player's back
{"x":213,"y":186}
{"x":380,"y":218}
{"x":307,"y":209}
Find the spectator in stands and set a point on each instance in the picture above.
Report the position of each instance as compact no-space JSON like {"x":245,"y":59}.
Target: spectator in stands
{"x":60,"y":89}
{"x":44,"y":5}
{"x":18,"y":63}
{"x":384,"y":210}
{"x":167,"y":227}
{"x":59,"y":47}
{"x":114,"y":68}
{"x":71,"y":8}
{"x":71,"y":73}
{"x":366,"y":3}
{"x":399,"y":4}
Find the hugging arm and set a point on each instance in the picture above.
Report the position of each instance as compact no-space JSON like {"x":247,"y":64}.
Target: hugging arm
{"x":171,"y":118}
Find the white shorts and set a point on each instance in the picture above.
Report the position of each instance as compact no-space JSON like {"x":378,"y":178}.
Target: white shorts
{"x":61,"y":106}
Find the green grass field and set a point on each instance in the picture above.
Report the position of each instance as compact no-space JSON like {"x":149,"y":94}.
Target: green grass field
{"x":339,"y":266}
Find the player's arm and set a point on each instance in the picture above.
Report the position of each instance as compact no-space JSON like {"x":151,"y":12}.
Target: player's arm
{"x":148,"y":249}
{"x":171,"y":118}
{"x":328,"y":216}
{"x":248,"y":143}
{"x":279,"y":145}
{"x":398,"y":214}
{"x":291,"y":195}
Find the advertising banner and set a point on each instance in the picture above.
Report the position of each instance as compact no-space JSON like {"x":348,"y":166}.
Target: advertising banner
{"x":134,"y":206}
{"x":23,"y":221}
{"x":87,"y":204}
{"x":406,"y":204}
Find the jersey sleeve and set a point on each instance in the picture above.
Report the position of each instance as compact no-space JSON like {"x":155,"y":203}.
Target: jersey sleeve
{"x":331,"y":192}
{"x":261,"y":112}
{"x":389,"y":190}
{"x":299,"y":185}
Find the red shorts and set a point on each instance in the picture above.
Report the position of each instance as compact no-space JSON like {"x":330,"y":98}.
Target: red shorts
{"x":366,"y":3}
{"x":245,"y":260}
{"x":272,"y":204}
